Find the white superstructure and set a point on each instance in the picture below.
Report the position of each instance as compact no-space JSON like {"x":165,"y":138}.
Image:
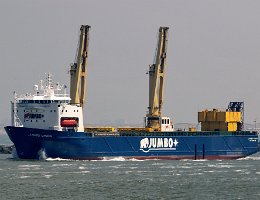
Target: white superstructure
{"x":166,"y":124}
{"x":47,"y":108}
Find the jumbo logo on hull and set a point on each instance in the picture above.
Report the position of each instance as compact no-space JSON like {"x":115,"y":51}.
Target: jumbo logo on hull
{"x":155,"y":144}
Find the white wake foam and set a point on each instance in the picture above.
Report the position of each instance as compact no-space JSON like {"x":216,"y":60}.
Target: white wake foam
{"x":58,"y":159}
{"x":22,"y":177}
{"x":113,"y":159}
{"x":14,"y":153}
{"x":47,"y":176}
{"x":42,"y":154}
{"x":250,"y":158}
{"x":120,"y":159}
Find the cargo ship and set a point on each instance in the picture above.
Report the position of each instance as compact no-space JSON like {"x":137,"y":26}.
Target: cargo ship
{"x":51,"y":121}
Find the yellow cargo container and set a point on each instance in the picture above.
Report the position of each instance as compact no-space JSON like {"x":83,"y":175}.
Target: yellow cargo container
{"x":221,"y":116}
{"x":99,"y":129}
{"x":217,"y":120}
{"x":218,"y":126}
{"x":202,"y":116}
{"x":211,"y":116}
{"x":233,"y":116}
{"x":204,"y":126}
{"x":232,"y":126}
{"x":223,"y":126}
{"x":135,"y":129}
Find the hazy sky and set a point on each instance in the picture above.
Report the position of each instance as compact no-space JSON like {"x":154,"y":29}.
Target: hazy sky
{"x":213,"y":54}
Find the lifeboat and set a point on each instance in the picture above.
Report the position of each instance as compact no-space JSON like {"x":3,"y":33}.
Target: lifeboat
{"x":69,"y":122}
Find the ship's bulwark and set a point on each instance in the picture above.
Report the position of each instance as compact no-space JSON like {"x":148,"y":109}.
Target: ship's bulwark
{"x":172,"y":145}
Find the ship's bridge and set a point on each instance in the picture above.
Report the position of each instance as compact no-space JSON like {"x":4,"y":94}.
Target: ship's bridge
{"x":45,"y":93}
{"x":47,"y":107}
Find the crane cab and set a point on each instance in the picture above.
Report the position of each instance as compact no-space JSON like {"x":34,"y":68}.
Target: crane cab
{"x":166,"y":124}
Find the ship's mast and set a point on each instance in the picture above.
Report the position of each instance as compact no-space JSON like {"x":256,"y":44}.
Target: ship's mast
{"x":156,"y":81}
{"x":78,"y":70}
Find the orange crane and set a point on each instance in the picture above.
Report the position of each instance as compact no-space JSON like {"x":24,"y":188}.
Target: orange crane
{"x":156,"y":73}
{"x":78,"y":69}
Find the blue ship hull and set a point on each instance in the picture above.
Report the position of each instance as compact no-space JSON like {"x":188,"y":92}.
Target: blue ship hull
{"x":158,"y":145}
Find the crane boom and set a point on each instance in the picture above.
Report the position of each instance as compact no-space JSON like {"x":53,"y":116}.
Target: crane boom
{"x":78,"y":70}
{"x":156,"y":81}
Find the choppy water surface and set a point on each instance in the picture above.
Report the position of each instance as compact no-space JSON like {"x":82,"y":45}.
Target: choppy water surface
{"x":120,"y":179}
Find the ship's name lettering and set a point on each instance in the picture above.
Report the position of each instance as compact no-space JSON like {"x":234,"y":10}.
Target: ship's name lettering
{"x":39,"y":135}
{"x":252,"y":139}
{"x":147,"y":144}
{"x":34,"y":135}
{"x":49,"y":136}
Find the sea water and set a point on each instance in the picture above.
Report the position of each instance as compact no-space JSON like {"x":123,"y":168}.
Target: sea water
{"x":129,"y":179}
